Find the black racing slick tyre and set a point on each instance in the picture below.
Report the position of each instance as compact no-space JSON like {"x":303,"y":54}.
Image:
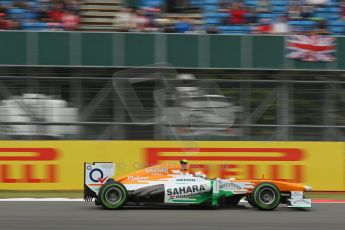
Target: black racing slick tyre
{"x":265,"y":196}
{"x":97,"y":203}
{"x":250,"y":201}
{"x":112,"y":195}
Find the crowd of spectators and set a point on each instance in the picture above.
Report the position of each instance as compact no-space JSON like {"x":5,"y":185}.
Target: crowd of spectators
{"x":40,"y":14}
{"x":152,"y":20}
{"x":238,"y":13}
{"x":295,"y":10}
{"x":65,"y":15}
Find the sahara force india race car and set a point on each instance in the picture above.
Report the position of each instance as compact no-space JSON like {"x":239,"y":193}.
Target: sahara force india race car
{"x":172,"y":184}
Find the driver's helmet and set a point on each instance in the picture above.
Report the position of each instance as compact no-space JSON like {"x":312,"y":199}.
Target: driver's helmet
{"x":184,"y":165}
{"x":200,"y":174}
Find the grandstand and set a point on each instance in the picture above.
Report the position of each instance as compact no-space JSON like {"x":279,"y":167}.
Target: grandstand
{"x":100,"y":15}
{"x":213,"y":15}
{"x":331,"y":12}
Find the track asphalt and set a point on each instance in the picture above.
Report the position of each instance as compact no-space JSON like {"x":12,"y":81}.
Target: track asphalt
{"x":86,"y":216}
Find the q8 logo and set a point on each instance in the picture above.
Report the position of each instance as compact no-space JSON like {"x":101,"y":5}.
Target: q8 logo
{"x":99,"y":172}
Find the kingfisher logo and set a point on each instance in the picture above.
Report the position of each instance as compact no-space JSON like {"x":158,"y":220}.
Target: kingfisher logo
{"x":26,"y":163}
{"x":242,"y":163}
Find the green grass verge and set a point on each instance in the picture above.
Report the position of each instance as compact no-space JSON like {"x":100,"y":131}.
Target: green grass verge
{"x":79,"y":194}
{"x":326,"y":195}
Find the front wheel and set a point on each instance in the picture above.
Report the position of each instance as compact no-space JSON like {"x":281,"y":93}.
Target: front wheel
{"x":112,"y":195}
{"x":265,"y":196}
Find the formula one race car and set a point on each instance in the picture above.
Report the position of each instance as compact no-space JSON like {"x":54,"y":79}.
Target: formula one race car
{"x":173,"y":184}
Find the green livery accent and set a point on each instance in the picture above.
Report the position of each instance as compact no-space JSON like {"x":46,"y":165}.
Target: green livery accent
{"x":198,"y":199}
{"x":219,"y":194}
{"x":209,"y":196}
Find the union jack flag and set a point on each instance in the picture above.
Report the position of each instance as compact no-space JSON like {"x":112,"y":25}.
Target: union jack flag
{"x":312,"y":48}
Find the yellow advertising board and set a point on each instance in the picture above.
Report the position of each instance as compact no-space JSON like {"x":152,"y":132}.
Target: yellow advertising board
{"x":58,"y":165}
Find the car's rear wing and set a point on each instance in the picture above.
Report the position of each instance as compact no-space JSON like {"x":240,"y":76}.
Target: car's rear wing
{"x":96,"y":174}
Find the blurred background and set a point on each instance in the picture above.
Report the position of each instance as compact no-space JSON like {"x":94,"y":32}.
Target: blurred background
{"x":155,"y":70}
{"x":273,"y":72}
{"x":72,"y":103}
{"x":176,"y":16}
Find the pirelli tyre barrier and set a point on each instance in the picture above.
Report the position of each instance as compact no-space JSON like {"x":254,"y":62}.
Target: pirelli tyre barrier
{"x":54,"y":165}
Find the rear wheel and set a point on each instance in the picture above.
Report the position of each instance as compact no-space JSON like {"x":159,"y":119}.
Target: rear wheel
{"x":251,"y":201}
{"x":112,"y":195}
{"x":265,"y":196}
{"x":97,"y":203}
